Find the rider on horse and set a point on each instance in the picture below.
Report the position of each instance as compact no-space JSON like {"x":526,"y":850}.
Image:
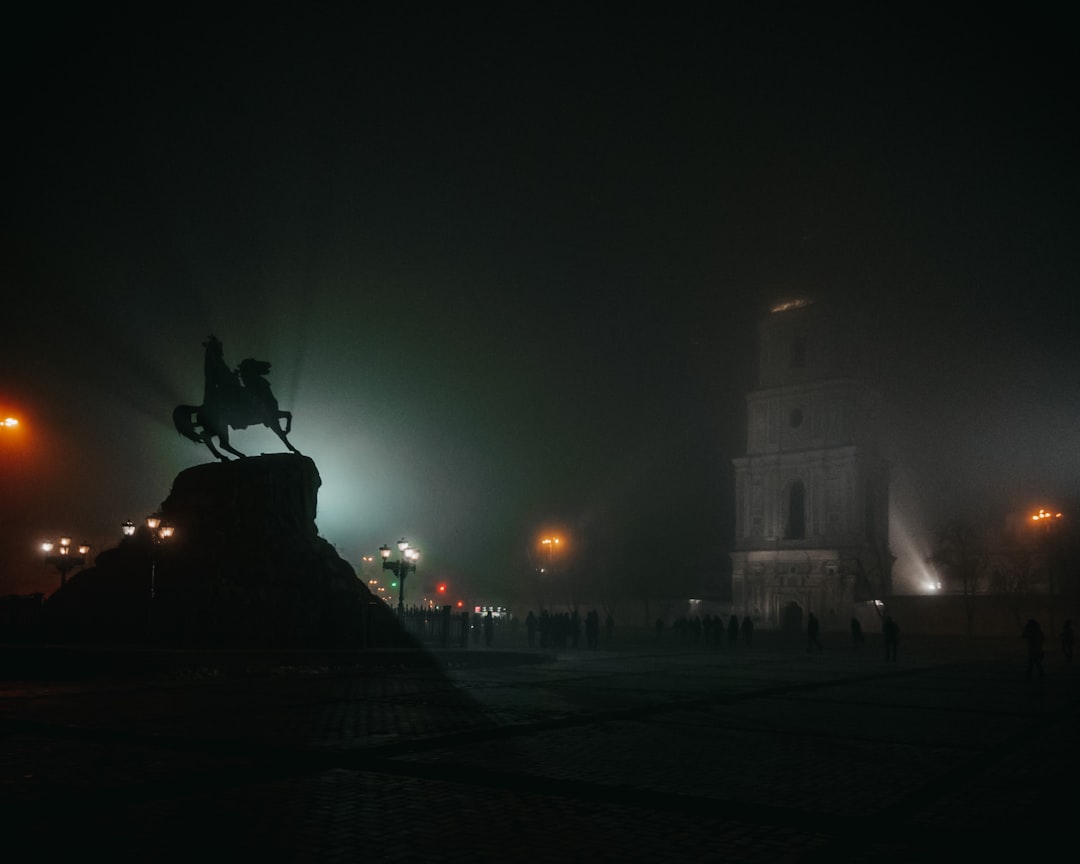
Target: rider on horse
{"x":236,"y":399}
{"x":224,"y":391}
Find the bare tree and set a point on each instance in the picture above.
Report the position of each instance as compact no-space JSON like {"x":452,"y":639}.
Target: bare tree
{"x":1013,"y":576}
{"x":961,"y":556}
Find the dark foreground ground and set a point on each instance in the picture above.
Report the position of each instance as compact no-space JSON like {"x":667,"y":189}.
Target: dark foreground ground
{"x":639,"y":752}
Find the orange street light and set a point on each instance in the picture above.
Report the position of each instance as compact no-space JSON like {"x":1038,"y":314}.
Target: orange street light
{"x":1045,"y":520}
{"x":550,"y":544}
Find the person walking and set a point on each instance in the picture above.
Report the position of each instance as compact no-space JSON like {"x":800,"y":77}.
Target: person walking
{"x":892,"y":637}
{"x":530,"y":628}
{"x":812,"y":628}
{"x":747,"y":631}
{"x":592,"y":630}
{"x":1033,"y":635}
{"x":856,"y":633}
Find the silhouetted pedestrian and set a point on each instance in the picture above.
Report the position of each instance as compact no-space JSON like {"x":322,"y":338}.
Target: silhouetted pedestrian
{"x":733,"y":631}
{"x":892,"y":638}
{"x":1067,"y":640}
{"x":489,"y":629}
{"x":718,"y":631}
{"x":747,"y":631}
{"x":856,"y":633}
{"x":592,"y":629}
{"x":609,"y":625}
{"x":812,"y":628}
{"x":1033,"y":634}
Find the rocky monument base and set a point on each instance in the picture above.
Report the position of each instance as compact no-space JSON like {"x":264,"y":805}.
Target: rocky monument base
{"x":244,"y":568}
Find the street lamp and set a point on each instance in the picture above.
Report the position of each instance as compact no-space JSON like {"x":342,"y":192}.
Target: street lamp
{"x":158,"y":531}
{"x":551,"y":544}
{"x":64,"y":559}
{"x":1046,"y":519}
{"x":400,"y":568}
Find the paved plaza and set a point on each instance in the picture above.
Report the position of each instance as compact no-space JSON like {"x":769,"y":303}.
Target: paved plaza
{"x":637,"y":751}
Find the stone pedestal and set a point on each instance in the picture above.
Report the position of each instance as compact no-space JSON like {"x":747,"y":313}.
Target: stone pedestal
{"x":245,"y":567}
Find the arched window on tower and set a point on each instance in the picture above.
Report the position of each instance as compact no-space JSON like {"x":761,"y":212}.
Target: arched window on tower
{"x":795,"y":529}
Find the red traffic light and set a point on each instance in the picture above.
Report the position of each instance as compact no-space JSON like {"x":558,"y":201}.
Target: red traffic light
{"x":442,"y":587}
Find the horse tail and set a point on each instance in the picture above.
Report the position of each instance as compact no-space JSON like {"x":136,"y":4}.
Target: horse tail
{"x":183,"y":420}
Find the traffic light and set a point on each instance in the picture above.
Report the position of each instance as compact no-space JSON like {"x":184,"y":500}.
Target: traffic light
{"x":442,"y":587}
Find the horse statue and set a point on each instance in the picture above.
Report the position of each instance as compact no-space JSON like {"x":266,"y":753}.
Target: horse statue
{"x":231,"y":399}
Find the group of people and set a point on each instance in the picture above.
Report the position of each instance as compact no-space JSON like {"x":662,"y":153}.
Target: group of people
{"x":559,"y":630}
{"x":710,"y":630}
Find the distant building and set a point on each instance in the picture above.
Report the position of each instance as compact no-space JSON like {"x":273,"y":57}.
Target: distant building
{"x":812,"y":491}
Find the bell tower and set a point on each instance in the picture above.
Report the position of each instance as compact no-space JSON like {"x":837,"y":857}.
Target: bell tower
{"x":812,"y":491}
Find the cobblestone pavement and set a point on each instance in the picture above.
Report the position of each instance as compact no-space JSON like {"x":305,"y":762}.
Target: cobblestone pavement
{"x":647,"y":753}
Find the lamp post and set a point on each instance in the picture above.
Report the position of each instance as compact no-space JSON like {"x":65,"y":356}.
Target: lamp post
{"x":400,"y":568}
{"x":158,"y":531}
{"x":551,"y":544}
{"x":64,"y":559}
{"x":547,"y":586}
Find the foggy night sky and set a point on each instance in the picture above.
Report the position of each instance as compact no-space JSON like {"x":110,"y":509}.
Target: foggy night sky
{"x":508,"y":263}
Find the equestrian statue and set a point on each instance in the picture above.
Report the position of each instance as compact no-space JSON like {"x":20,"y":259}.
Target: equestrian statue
{"x":238,"y":399}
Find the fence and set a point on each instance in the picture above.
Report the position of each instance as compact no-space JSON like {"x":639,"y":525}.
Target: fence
{"x":439,"y":627}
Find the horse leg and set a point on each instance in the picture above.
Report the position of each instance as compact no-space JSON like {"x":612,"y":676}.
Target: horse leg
{"x":280,"y":434}
{"x":208,"y":441}
{"x":223,"y":440}
{"x":204,"y":432}
{"x":274,"y":426}
{"x":271,"y":420}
